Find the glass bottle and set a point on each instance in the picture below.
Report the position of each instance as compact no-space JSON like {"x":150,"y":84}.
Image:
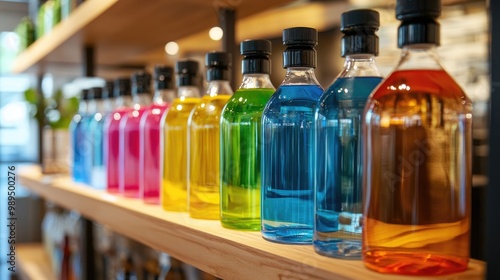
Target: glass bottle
{"x":175,"y":155}
{"x":417,"y":158}
{"x":288,"y":143}
{"x":338,"y":207}
{"x":240,"y":142}
{"x":112,"y":140}
{"x":98,"y":177}
{"x":130,"y":136}
{"x":77,"y":137}
{"x":151,"y":127}
{"x":204,"y":134}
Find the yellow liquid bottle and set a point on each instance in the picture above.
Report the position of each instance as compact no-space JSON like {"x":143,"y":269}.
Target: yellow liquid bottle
{"x":204,"y":139}
{"x":175,"y":146}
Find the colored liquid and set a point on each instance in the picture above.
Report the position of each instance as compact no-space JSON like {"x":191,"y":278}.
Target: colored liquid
{"x":338,"y":217}
{"x":83,"y":152}
{"x":287,"y":164}
{"x":130,"y":147}
{"x":77,"y":137}
{"x":240,"y":158}
{"x":112,"y":149}
{"x":175,"y":155}
{"x":150,"y":158}
{"x":98,"y":169}
{"x":204,"y":174}
{"x":417,"y":175}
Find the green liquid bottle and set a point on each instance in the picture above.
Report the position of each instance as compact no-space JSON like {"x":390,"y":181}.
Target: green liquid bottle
{"x":240,"y":139}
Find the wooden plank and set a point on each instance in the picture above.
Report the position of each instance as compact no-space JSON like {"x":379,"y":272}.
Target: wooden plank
{"x":126,"y":28}
{"x":33,"y":262}
{"x":225,"y":253}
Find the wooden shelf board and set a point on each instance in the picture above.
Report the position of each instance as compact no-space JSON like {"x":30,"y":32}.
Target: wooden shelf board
{"x":123,"y":29}
{"x":225,"y":253}
{"x":33,"y":262}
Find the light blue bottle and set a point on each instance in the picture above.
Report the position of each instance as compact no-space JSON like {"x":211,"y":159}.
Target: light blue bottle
{"x":87,"y":139}
{"x":287,"y":206}
{"x":78,"y":137}
{"x":103,"y":108}
{"x":338,"y":181}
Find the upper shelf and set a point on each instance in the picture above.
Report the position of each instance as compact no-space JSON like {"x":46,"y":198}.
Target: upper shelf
{"x":225,"y":253}
{"x":120,"y":30}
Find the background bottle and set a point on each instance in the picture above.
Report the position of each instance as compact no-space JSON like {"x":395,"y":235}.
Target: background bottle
{"x":417,"y":158}
{"x":287,"y":137}
{"x":338,"y":216}
{"x":240,"y":144}
{"x":112,"y":140}
{"x":130,"y":139}
{"x":175,"y":156}
{"x":204,"y":134}
{"x":152,"y":128}
{"x":98,"y":177}
{"x":77,"y":136}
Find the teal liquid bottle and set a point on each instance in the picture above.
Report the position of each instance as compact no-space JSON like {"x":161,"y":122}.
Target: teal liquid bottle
{"x":240,"y":145}
{"x":339,"y":159}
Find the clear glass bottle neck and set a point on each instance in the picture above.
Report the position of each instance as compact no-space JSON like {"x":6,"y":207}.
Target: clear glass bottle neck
{"x":188,"y":91}
{"x":420,"y":56}
{"x":256,"y":81}
{"x":101,"y":106}
{"x":82,"y":107}
{"x":300,"y":76}
{"x":141,"y":100}
{"x":91,"y":106}
{"x":219,"y":87}
{"x":109,"y":104}
{"x":360,"y":65}
{"x":123,"y":102}
{"x":163,"y":96}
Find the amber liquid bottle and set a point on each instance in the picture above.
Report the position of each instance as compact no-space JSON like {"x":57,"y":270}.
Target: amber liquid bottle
{"x":417,"y":167}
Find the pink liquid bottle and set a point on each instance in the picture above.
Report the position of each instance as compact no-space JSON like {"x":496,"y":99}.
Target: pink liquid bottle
{"x":130,"y":136}
{"x":152,"y":136}
{"x":112,"y":157}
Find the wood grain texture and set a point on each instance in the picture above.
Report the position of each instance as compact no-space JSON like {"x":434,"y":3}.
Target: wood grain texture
{"x":33,"y":262}
{"x":228,"y":254}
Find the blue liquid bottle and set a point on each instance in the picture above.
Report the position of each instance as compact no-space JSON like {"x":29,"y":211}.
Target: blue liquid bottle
{"x":287,"y":188}
{"x":338,"y":218}
{"x":98,"y":177}
{"x":77,"y":138}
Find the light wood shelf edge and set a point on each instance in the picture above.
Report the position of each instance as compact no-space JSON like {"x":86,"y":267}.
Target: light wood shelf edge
{"x":228,"y":254}
{"x":61,"y":33}
{"x":33,"y":262}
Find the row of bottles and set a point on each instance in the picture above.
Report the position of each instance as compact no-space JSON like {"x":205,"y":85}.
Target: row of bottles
{"x":371,"y":168}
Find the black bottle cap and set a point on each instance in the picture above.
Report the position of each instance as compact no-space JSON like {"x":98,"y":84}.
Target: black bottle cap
{"x":218,"y":65}
{"x":86,"y":94}
{"x":300,"y":42}
{"x":164,"y":77}
{"x":255,"y":56}
{"x":108,"y":89}
{"x":97,"y":93}
{"x":141,"y":83}
{"x":187,"y":71}
{"x":122,"y":87}
{"x":359,"y":28}
{"x":408,"y":9}
{"x":419,"y":25}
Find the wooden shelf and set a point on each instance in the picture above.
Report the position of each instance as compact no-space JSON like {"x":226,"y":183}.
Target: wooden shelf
{"x":33,"y":262}
{"x":225,"y":253}
{"x":121,"y":30}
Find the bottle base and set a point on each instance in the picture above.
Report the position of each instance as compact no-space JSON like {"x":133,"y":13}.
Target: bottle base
{"x":338,"y":248}
{"x":151,"y":200}
{"x":241,"y":224}
{"x":287,"y":234}
{"x":417,"y":264}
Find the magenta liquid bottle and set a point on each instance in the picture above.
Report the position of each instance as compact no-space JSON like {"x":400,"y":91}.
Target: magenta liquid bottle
{"x":112,"y":157}
{"x":152,"y":127}
{"x":130,"y":136}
